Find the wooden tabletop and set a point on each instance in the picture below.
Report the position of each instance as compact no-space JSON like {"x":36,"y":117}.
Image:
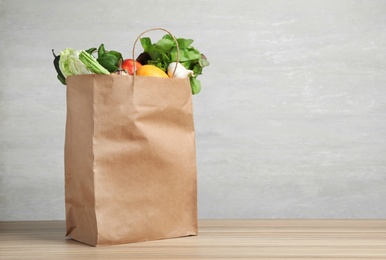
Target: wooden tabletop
{"x":217,"y":239}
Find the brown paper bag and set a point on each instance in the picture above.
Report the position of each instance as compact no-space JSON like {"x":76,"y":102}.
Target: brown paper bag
{"x":130,"y":165}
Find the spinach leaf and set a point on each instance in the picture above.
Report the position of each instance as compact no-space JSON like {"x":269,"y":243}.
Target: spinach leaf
{"x":108,"y":59}
{"x":195,"y":84}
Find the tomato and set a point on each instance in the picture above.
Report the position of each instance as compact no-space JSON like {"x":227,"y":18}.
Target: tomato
{"x":128,"y":65}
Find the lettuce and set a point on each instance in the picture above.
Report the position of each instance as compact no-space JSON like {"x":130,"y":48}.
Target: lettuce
{"x":70,"y":64}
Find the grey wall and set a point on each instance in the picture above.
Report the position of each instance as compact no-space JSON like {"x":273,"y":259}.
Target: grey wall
{"x":290,"y":122}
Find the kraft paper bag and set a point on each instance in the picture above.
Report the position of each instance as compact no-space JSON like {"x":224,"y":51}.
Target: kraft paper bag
{"x":130,"y":160}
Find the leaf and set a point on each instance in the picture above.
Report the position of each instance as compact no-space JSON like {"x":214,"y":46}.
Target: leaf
{"x":195,"y":84}
{"x":203,"y":62}
{"x":154,"y":52}
{"x":185,"y":55}
{"x":173,"y":55}
{"x":146,"y":43}
{"x":182,"y":55}
{"x":167,"y":36}
{"x":187,"y":64}
{"x":109,"y":62}
{"x":166,"y":61}
{"x":192,"y":54}
{"x":184,"y":43}
{"x":116,"y":54}
{"x":91,"y":50}
{"x":164,"y":45}
{"x":197,"y":69}
{"x":101,"y":50}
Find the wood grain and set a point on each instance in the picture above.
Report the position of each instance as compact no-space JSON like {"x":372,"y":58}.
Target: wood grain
{"x":217,"y":239}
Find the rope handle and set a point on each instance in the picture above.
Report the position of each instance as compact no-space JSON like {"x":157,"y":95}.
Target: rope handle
{"x":155,"y":29}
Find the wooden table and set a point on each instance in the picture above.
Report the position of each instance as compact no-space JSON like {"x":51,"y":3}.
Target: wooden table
{"x":217,"y":239}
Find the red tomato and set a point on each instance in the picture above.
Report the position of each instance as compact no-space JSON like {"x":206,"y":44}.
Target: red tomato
{"x":128,"y":65}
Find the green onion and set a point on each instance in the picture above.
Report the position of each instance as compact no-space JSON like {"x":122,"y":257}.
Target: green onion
{"x":91,"y":63}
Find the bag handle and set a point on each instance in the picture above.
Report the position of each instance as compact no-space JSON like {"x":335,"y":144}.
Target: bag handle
{"x":155,"y":29}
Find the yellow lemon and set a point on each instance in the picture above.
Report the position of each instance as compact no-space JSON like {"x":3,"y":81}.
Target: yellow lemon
{"x":152,"y":71}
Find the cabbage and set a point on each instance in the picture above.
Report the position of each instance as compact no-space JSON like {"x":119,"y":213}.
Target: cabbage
{"x":70,"y":64}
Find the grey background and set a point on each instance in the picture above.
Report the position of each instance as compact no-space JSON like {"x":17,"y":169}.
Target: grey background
{"x":290,"y":122}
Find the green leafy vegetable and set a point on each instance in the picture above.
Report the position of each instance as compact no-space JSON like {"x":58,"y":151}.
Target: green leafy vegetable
{"x":92,"y":64}
{"x":195,"y":84}
{"x":109,"y":59}
{"x":91,"y":50}
{"x":75,"y":62}
{"x":70,"y":64}
{"x":163,"y":52}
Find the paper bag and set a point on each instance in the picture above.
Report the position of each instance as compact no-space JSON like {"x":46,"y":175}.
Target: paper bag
{"x":130,"y":165}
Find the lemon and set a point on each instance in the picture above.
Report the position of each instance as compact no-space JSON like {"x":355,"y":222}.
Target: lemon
{"x":152,"y":71}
